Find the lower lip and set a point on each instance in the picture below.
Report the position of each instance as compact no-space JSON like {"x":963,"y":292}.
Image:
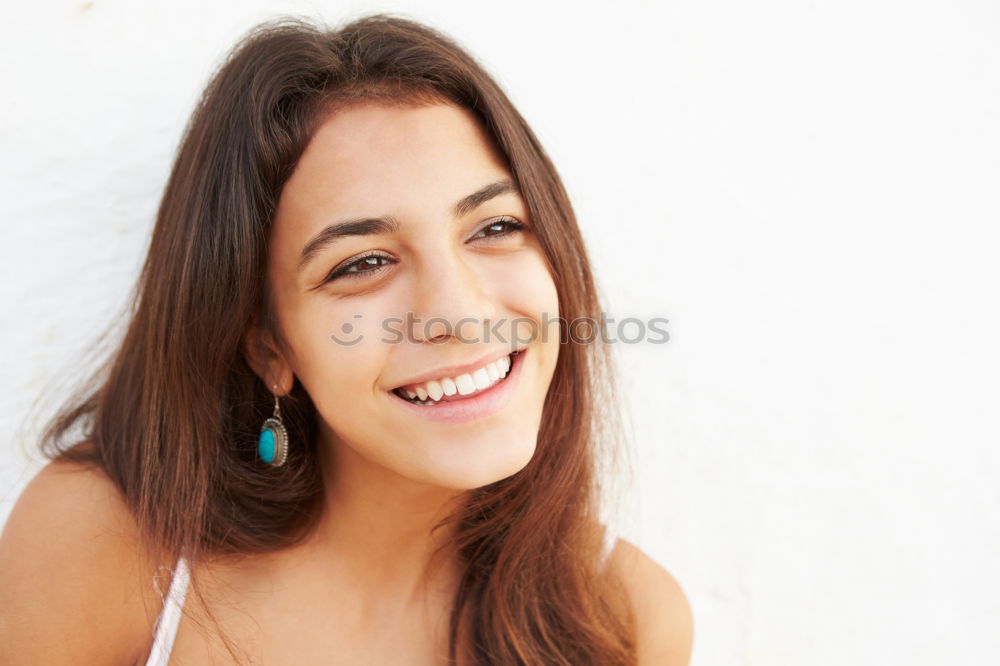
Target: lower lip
{"x":478,"y":406}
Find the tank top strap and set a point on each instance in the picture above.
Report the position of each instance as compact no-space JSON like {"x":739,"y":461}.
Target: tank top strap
{"x":170,"y":615}
{"x":610,"y":539}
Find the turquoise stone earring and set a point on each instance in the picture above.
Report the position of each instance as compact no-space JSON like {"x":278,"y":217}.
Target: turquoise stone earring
{"x":272,"y":445}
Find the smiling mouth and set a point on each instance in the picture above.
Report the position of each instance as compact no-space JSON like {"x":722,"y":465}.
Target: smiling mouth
{"x":457,"y":395}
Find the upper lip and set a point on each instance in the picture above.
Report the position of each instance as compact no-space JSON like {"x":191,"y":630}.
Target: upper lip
{"x":456,"y":370}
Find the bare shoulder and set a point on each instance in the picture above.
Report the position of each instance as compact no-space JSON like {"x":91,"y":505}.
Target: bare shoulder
{"x":665,"y":623}
{"x":75,"y":583}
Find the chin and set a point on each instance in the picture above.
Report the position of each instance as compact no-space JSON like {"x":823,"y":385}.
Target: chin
{"x":481,"y":464}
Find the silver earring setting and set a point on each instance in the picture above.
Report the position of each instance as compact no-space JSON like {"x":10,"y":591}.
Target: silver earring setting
{"x":272,"y":445}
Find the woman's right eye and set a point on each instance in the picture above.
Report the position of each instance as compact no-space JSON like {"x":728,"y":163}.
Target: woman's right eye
{"x":360,"y":267}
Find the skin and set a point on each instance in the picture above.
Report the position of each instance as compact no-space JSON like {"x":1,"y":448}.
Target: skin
{"x":390,"y":474}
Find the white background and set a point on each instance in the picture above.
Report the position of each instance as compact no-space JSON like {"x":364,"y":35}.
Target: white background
{"x":808,"y":191}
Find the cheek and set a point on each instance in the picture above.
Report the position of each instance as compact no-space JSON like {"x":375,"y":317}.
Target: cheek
{"x":526,"y":288}
{"x":339,"y":361}
{"x":337,"y":352}
{"x":524,"y":279}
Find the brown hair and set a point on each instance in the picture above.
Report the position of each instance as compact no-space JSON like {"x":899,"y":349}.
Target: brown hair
{"x":176,"y":410}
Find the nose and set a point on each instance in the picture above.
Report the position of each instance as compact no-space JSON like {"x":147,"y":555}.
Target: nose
{"x":451,"y":298}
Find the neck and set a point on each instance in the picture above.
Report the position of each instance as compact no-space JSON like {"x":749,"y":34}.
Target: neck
{"x":379,"y":527}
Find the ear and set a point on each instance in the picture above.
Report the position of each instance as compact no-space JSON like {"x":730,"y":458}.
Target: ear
{"x":266,"y":359}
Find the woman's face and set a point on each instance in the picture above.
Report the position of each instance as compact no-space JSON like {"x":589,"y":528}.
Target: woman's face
{"x":400,"y":297}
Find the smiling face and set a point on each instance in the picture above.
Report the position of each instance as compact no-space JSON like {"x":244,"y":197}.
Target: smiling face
{"x":431,"y":238}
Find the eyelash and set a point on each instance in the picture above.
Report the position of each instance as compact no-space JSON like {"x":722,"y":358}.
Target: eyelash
{"x":513,"y":225}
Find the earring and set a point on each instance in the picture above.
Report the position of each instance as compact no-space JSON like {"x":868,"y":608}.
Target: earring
{"x":272,"y":445}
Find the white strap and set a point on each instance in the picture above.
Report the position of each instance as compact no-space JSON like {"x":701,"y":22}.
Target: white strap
{"x":170,"y":616}
{"x":610,"y":538}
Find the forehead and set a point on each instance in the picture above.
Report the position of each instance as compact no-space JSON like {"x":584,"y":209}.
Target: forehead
{"x":371,"y":155}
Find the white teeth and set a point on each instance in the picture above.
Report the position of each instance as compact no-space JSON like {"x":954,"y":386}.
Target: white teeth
{"x":434,"y":390}
{"x":464,"y":384}
{"x":481,"y":378}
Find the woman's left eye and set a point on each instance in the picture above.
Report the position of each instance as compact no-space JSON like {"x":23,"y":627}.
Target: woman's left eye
{"x":512,"y":226}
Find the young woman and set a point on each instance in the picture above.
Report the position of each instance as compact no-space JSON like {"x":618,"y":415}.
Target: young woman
{"x":349,"y":422}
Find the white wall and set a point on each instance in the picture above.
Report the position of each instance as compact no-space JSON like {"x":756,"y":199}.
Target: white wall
{"x":807,"y":190}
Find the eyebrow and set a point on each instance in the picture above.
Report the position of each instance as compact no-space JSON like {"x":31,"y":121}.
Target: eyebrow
{"x":368,"y":226}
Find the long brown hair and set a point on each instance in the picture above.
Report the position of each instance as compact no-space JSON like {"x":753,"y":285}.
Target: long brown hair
{"x":173,"y":415}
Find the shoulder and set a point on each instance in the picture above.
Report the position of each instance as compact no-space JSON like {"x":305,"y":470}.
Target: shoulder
{"x":664,"y":621}
{"x":75,"y":581}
